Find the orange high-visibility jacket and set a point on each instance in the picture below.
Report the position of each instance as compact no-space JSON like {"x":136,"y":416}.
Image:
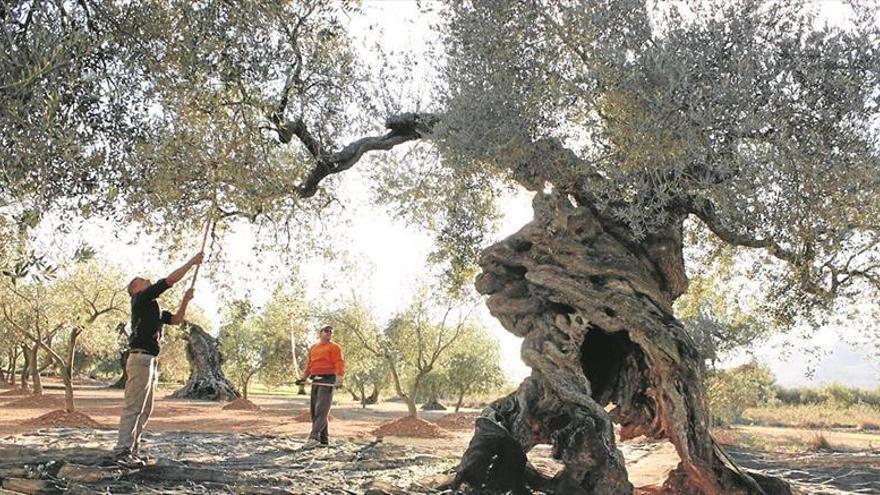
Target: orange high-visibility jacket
{"x":325,"y":359}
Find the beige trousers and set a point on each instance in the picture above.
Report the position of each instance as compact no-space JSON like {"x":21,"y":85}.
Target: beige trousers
{"x":139,"y":391}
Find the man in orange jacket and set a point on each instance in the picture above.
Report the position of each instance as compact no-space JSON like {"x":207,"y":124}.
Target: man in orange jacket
{"x":325,"y":368}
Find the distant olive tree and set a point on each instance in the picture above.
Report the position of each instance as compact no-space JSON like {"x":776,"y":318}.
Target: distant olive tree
{"x":252,"y":347}
{"x":474,"y":365}
{"x":412,"y":344}
{"x":730,"y":392}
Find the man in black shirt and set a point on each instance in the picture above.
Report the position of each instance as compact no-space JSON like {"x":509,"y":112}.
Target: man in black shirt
{"x":146,"y":332}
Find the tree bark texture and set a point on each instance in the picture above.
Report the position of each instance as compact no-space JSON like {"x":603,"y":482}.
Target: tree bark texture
{"x":26,"y":367}
{"x":594,"y":309}
{"x":206,"y":379}
{"x":34,"y":370}
{"x":67,"y":371}
{"x":13,"y":361}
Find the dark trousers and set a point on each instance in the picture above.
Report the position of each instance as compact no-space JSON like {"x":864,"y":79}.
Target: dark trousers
{"x":319,"y":406}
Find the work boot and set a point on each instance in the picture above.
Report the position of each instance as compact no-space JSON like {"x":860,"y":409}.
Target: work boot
{"x":311,"y":443}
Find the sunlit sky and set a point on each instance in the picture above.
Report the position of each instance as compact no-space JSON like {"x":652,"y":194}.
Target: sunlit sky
{"x":393,"y":255}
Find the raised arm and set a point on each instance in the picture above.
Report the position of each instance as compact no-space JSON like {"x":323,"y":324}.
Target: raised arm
{"x":180,"y":315}
{"x":178,"y":274}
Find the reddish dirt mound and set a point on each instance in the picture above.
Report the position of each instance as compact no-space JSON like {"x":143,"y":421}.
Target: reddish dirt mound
{"x":241,"y":405}
{"x":63,"y":418}
{"x":458,"y":421}
{"x":16,"y":392}
{"x":408,"y":427}
{"x":306,"y":417}
{"x":33,"y":401}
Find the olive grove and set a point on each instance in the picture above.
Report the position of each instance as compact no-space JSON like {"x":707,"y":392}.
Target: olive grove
{"x":625,"y":119}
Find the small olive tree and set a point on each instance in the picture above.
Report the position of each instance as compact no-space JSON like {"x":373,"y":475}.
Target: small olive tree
{"x":474,"y":365}
{"x":359,"y":333}
{"x":412,"y":344}
{"x":250,"y":346}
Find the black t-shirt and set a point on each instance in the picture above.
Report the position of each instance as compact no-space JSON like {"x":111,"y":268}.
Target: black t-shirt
{"x":147,"y":318}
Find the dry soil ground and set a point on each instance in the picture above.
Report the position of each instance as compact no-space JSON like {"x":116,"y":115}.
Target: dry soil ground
{"x":202,"y":435}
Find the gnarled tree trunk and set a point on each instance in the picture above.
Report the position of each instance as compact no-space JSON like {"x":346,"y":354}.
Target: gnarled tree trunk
{"x":206,"y":379}
{"x":594,"y":307}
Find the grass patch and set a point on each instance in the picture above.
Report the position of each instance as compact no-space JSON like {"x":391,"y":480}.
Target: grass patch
{"x":815,"y":416}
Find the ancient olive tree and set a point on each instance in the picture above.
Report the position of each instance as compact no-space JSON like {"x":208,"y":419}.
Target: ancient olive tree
{"x":191,"y":343}
{"x":625,"y":120}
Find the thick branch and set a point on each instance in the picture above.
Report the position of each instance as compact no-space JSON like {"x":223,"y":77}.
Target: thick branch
{"x":402,"y":128}
{"x":705,"y":211}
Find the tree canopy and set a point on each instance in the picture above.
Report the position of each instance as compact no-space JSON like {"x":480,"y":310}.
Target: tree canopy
{"x":753,"y":116}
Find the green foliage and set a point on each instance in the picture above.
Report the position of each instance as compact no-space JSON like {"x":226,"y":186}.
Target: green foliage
{"x":731,"y":392}
{"x":752,"y":116}
{"x":473,"y":365}
{"x":99,"y":103}
{"x":834,"y":395}
{"x":173,"y":363}
{"x":459,"y":223}
{"x":412,"y":345}
{"x":359,"y":335}
{"x":93,"y":296}
{"x":755,"y":117}
{"x":712,"y":309}
{"x":257,"y":343}
{"x":434,"y":385}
